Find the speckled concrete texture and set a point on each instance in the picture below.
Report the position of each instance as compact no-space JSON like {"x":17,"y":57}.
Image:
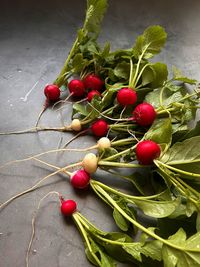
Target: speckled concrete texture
{"x":35,"y":38}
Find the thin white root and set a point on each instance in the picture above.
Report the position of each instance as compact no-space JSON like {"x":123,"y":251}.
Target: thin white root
{"x":33,"y":224}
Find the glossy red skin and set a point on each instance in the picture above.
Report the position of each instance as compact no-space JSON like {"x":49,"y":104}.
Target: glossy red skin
{"x":76,"y":87}
{"x":126,"y":96}
{"x":52,"y":92}
{"x":91,"y":94}
{"x":80,"y":179}
{"x":100,"y":128}
{"x":144,"y":114}
{"x":146,"y":151}
{"x":93,"y":82}
{"x":68,"y":207}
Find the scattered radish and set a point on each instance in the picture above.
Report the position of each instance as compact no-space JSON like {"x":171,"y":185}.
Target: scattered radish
{"x":80,"y":179}
{"x":93,"y":82}
{"x":76,"y":125}
{"x":147,"y":151}
{"x":126,"y":96}
{"x":100,"y":128}
{"x":91,"y":94}
{"x":68,"y":207}
{"x":144,"y":114}
{"x":52,"y":92}
{"x":103,"y":143}
{"x":76,"y":87}
{"x":90,"y":163}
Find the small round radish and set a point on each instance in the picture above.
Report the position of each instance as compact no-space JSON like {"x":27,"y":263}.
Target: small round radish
{"x":68,"y":207}
{"x":100,"y":128}
{"x":90,"y":163}
{"x":147,"y":151}
{"x":93,"y":82}
{"x":91,"y":94}
{"x":144,"y":114}
{"x":103,"y":143}
{"x":126,"y":96}
{"x":76,"y":87}
{"x":76,"y":125}
{"x":52,"y":92}
{"x":80,"y":179}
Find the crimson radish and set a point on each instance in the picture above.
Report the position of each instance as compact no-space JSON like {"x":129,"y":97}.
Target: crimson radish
{"x":52,"y":92}
{"x":93,"y":82}
{"x":100,"y":128}
{"x":80,"y":179}
{"x":91,"y":94}
{"x":76,"y":87}
{"x":126,"y":96}
{"x":90,"y":163}
{"x":144,"y":114}
{"x":68,"y":207}
{"x":147,"y":151}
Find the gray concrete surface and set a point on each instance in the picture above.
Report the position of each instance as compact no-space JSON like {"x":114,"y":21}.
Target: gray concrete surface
{"x":35,"y":37}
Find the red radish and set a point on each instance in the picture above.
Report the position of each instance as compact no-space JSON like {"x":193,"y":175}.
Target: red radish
{"x":91,"y":94}
{"x":80,"y":179}
{"x":147,"y":151}
{"x":144,"y":114}
{"x":126,"y":96}
{"x":52,"y":92}
{"x":100,"y":128}
{"x":68,"y":207}
{"x":93,"y":82}
{"x":76,"y":87}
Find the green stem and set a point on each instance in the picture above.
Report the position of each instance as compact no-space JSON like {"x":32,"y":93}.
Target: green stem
{"x":178,"y":170}
{"x":117,"y":192}
{"x":132,"y":83}
{"x":61,"y":77}
{"x":120,"y":164}
{"x":84,"y":234}
{"x":123,"y":141}
{"x":142,"y":70}
{"x":120,"y":153}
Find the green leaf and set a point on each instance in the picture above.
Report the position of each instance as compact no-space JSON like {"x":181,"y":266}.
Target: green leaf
{"x":155,"y":75}
{"x":187,"y":256}
{"x":106,"y":50}
{"x":78,"y":108}
{"x":94,"y":15}
{"x":178,"y":76}
{"x":150,"y":42}
{"x":160,"y":131}
{"x":191,"y":132}
{"x":106,"y":261}
{"x":120,"y":220}
{"x":157,"y":209}
{"x":184,"y":155}
{"x":122,"y":70}
{"x":78,"y":62}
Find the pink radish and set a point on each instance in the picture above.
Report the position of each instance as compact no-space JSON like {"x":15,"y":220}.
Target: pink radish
{"x":76,"y":87}
{"x":144,"y":114}
{"x":100,"y":128}
{"x":68,"y":207}
{"x":147,"y":151}
{"x":52,"y":92}
{"x":126,"y":96}
{"x":91,"y":94}
{"x":80,"y":179}
{"x":93,"y":82}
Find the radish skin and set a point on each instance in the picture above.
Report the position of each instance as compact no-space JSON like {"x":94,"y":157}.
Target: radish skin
{"x":90,"y":163}
{"x":76,"y":125}
{"x":103,"y":143}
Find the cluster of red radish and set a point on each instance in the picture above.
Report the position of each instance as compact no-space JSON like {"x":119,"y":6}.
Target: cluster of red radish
{"x":91,"y":83}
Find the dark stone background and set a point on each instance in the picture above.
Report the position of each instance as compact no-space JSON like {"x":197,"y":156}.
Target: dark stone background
{"x":35,"y":38}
